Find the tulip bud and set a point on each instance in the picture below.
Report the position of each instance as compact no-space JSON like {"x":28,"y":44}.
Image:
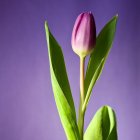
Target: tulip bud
{"x":84,"y":34}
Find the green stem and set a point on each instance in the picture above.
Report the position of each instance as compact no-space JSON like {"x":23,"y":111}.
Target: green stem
{"x":82,"y":96}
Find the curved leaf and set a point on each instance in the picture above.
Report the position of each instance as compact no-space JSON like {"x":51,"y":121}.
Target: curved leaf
{"x":101,"y":51}
{"x":92,"y":83}
{"x":61,"y":88}
{"x":103,"y":125}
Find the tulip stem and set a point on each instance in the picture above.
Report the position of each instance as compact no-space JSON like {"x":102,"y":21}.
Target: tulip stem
{"x":82,"y":73}
{"x":82,"y":97}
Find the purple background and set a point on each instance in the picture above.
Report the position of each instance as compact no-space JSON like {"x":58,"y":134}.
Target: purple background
{"x":27,"y":107}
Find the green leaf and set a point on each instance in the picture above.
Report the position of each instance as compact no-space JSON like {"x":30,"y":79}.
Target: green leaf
{"x":103,"y":126}
{"x":103,"y":45}
{"x":92,"y":83}
{"x":61,"y":88}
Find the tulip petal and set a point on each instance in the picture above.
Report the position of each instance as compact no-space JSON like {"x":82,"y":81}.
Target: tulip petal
{"x":84,"y":34}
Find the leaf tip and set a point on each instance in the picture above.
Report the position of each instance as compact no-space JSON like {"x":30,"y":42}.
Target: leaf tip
{"x":47,"y":32}
{"x":107,"y":107}
{"x":117,"y":16}
{"x":46,"y":26}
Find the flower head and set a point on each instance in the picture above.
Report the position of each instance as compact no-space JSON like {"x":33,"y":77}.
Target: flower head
{"x":84,"y":34}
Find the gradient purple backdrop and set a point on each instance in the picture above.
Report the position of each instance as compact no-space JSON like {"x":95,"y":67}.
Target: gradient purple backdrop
{"x":27,"y":107}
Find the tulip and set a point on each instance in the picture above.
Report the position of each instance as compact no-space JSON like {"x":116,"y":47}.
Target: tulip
{"x":83,"y":42}
{"x":84,"y":34}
